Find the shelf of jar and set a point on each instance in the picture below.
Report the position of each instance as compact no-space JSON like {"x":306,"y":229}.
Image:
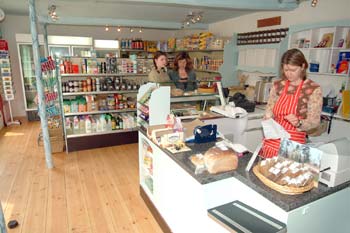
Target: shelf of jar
{"x":102,"y":75}
{"x":99,"y":92}
{"x":99,"y":112}
{"x":100,"y":133}
{"x":207,"y":71}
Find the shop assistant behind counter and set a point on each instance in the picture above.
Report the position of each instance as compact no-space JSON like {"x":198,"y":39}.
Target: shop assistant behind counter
{"x":159,"y":73}
{"x":295,"y":102}
{"x":183,"y":74}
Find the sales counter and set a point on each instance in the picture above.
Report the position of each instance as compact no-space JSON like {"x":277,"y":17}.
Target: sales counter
{"x":179,"y":198}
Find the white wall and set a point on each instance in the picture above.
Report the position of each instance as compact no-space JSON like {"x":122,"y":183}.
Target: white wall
{"x":325,"y":11}
{"x":20,"y":24}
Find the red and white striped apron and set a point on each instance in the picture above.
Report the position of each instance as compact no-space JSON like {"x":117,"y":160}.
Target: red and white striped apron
{"x":285,"y":105}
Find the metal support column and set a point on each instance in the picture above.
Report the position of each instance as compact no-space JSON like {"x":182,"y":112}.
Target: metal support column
{"x":39,"y":85}
{"x":46,"y":44}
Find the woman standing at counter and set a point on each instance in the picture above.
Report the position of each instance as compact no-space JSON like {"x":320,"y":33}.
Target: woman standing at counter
{"x":295,"y":102}
{"x":183,"y":74}
{"x":159,"y":73}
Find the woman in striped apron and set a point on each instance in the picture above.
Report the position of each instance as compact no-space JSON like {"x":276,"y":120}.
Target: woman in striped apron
{"x":295,"y":102}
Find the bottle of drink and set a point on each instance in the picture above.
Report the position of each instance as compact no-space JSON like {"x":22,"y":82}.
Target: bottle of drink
{"x":114,"y":127}
{"x":121,"y":123}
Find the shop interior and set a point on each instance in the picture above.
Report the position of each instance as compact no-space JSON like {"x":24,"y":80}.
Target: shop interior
{"x":89,"y":142}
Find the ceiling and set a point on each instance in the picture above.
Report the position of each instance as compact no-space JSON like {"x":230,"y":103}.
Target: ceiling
{"x":166,"y":14}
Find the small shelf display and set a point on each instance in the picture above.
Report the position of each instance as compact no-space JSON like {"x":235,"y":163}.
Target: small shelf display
{"x":146,"y":171}
{"x":327,"y":49}
{"x":153,"y":104}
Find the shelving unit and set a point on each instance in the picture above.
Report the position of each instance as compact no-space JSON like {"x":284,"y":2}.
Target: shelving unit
{"x":82,"y":126}
{"x":323,"y":46}
{"x":98,"y":92}
{"x":103,"y":75}
{"x":99,"y":112}
{"x":156,"y":101}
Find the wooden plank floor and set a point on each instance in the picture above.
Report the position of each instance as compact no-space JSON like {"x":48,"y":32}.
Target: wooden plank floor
{"x":94,"y":191}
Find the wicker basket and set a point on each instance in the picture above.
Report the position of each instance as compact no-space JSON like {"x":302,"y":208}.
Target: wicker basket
{"x":57,"y":143}
{"x":281,"y":188}
{"x":209,"y":90}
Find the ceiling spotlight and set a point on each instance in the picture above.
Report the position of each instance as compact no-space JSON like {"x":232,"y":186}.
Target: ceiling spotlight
{"x":314,"y":3}
{"x":131,"y":30}
{"x":140,"y":31}
{"x":193,"y":17}
{"x":52,"y":13}
{"x":119,"y":29}
{"x":106,"y":28}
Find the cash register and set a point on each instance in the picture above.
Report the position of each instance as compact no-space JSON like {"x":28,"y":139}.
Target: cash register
{"x":335,"y":163}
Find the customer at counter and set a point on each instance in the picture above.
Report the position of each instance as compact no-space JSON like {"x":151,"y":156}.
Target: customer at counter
{"x":159,"y":72}
{"x":295,"y":102}
{"x":183,"y":74}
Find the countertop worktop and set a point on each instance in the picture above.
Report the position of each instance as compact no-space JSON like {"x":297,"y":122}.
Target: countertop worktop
{"x":286,"y":202}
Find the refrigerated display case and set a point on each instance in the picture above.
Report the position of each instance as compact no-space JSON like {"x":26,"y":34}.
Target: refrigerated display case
{"x":59,"y":50}
{"x":25,"y":53}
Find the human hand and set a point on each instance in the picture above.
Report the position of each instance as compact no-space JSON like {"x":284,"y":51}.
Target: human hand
{"x":293,"y":119}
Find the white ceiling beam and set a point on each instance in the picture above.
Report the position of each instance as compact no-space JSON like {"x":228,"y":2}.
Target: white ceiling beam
{"x":88,"y":21}
{"x":226,"y":4}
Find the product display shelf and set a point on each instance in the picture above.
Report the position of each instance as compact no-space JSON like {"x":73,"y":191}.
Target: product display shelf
{"x":83,"y":141}
{"x":99,"y":112}
{"x":78,"y":135}
{"x":207,"y":71}
{"x":98,"y":93}
{"x":158,"y":102}
{"x":101,"y":75}
{"x":328,"y":74}
{"x":198,"y":97}
{"x":323,"y":46}
{"x":134,"y":50}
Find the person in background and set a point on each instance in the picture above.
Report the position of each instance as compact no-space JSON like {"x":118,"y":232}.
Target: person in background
{"x":183,"y":74}
{"x":159,"y":72}
{"x":295,"y":102}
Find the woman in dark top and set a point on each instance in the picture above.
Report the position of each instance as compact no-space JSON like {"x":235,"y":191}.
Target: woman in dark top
{"x":183,"y":74}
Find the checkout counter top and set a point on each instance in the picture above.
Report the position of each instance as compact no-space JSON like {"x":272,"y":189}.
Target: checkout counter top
{"x":285,"y":202}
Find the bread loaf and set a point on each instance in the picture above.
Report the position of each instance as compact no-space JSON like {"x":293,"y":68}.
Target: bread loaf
{"x":218,"y":159}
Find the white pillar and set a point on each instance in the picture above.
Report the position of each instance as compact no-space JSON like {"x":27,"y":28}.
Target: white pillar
{"x":39,"y":85}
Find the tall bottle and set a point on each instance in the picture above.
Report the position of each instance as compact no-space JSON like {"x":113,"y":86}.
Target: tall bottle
{"x":121,"y":126}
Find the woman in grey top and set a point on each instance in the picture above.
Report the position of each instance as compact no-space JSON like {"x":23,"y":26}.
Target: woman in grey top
{"x":183,"y":74}
{"x":159,"y":73}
